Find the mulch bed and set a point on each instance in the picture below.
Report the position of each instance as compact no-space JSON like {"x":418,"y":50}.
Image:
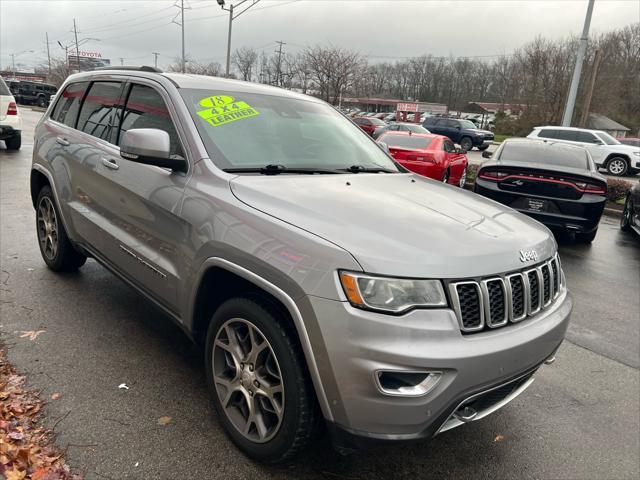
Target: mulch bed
{"x":27,"y":450}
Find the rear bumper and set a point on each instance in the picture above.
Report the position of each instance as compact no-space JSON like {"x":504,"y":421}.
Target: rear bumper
{"x":581,"y":216}
{"x":8,"y":131}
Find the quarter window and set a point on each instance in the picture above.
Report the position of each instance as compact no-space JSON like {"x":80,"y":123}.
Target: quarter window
{"x":448,"y":146}
{"x":146,"y":109}
{"x":68,"y":104}
{"x":97,"y":116}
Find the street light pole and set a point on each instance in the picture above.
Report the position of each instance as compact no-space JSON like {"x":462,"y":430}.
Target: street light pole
{"x":232,"y":17}
{"x":577,"y":71}
{"x":226,"y":74}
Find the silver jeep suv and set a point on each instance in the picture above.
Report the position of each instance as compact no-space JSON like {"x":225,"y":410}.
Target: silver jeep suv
{"x":327,"y":285}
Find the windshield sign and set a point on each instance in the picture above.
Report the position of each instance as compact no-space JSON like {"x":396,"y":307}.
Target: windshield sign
{"x":246,"y":130}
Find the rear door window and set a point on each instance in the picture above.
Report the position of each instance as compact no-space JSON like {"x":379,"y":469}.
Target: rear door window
{"x":68,"y":104}
{"x":585,"y":137}
{"x":145,"y":108}
{"x":97,"y":116}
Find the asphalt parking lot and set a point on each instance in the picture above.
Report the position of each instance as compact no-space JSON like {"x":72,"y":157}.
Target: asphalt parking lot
{"x":579,"y":420}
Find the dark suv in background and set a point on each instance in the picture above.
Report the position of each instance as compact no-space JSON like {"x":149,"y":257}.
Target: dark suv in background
{"x":32,"y":93}
{"x":463,"y":132}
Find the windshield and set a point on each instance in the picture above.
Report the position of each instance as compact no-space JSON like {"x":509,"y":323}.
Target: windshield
{"x":243,"y":130}
{"x":467,"y":124}
{"x":405,"y":141}
{"x":608,"y":139}
{"x":542,"y":153}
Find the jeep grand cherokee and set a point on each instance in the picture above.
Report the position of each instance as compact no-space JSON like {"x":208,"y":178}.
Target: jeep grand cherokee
{"x":326,"y":284}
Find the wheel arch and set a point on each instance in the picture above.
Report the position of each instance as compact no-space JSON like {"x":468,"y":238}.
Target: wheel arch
{"x":220,"y":279}
{"x":36,"y":182}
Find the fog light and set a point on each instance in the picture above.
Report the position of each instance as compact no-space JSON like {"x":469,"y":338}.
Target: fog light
{"x":406,"y":383}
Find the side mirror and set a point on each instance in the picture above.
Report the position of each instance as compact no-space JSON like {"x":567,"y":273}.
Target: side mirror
{"x":150,"y":146}
{"x":384,"y":147}
{"x":486,"y":154}
{"x":598,"y":142}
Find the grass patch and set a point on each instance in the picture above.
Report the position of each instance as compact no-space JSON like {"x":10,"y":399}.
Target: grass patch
{"x":501,"y":138}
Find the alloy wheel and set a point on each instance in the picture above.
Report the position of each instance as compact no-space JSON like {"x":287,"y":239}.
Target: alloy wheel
{"x":617,"y":166}
{"x":48,"y":228}
{"x":248,"y":380}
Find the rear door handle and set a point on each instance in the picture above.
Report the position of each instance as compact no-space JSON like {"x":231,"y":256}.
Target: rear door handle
{"x":62,"y":141}
{"x":110,"y":164}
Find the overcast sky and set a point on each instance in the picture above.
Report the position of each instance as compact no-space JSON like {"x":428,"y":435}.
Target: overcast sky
{"x":378,"y":29}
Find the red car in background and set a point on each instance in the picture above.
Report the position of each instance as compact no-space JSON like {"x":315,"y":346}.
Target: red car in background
{"x":369,"y":124}
{"x":434,"y":156}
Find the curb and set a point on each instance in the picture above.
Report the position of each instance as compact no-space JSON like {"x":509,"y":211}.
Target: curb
{"x":613,"y":212}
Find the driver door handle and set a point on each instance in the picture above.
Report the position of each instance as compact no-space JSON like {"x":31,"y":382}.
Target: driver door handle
{"x":109,"y":163}
{"x":62,"y":141}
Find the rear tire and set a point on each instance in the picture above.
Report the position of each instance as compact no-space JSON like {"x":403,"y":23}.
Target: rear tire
{"x":586,"y":237}
{"x":14,"y":143}
{"x":625,"y":220}
{"x":466,"y":144}
{"x":56,"y":249}
{"x":41,"y":102}
{"x":617,"y":166}
{"x":483,"y":148}
{"x":282,"y":437}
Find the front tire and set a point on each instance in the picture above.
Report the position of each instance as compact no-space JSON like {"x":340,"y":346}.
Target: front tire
{"x":466,"y":144}
{"x":617,"y":166}
{"x":463,"y":178}
{"x":257,"y":379}
{"x":14,"y":143}
{"x":482,"y":148}
{"x":56,"y":249}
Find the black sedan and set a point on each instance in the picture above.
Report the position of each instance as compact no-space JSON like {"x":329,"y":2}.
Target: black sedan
{"x":630,"y":220}
{"x":555,"y":183}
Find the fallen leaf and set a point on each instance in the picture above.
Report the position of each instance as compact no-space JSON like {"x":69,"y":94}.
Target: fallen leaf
{"x":498,"y":438}
{"x":55,"y":396}
{"x":15,"y":474}
{"x":123,"y":386}
{"x":16,"y":435}
{"x":164,"y":420}
{"x":31,"y":334}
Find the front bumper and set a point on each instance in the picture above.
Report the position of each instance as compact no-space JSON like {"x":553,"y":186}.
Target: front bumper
{"x":360,"y":343}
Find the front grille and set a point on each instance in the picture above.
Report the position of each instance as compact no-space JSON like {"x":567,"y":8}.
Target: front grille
{"x":518,"y":305}
{"x":546,"y":284}
{"x":470,"y":307}
{"x":534,"y":291}
{"x":496,"y":301}
{"x":497,"y":296}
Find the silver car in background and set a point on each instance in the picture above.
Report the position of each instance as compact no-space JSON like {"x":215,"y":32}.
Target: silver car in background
{"x":326,"y":284}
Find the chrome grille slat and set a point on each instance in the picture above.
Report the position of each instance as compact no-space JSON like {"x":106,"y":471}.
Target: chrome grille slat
{"x":496,"y":301}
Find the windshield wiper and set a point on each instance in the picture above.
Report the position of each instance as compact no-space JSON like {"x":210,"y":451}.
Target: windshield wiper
{"x":363,"y":169}
{"x":275,"y":169}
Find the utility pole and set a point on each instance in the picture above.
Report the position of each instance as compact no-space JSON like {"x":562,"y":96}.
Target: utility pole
{"x":48,"y":54}
{"x":182,"y":25}
{"x":155,"y":59}
{"x":279,"y":63}
{"x":232,"y":17}
{"x":592,"y":84}
{"x":575,"y":81}
{"x":121,"y":61}
{"x":13,"y":63}
{"x":75,"y":32}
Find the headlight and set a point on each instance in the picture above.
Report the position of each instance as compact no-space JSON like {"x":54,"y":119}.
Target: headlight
{"x":393,"y":295}
{"x":637,"y":153}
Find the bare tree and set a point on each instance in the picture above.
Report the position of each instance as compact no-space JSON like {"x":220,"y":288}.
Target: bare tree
{"x":333,"y":70}
{"x":245,"y":59}
{"x":212,"y":69}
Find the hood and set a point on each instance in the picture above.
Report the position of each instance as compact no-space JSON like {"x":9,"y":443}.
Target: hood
{"x":401,"y":224}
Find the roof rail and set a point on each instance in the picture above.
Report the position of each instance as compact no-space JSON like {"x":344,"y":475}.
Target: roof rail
{"x":141,"y":68}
